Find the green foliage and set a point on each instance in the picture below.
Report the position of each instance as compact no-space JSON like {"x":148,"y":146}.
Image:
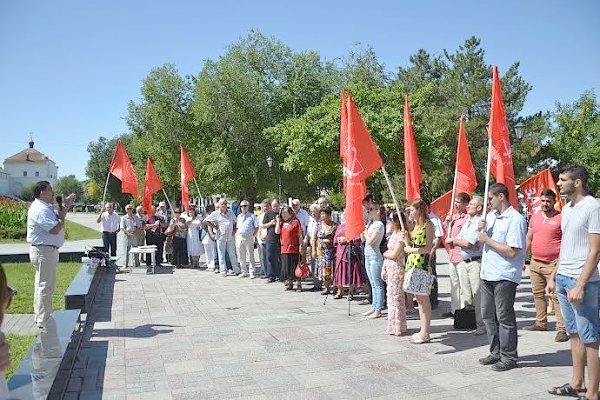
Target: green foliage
{"x":576,"y":138}
{"x":101,"y":153}
{"x":262,"y":99}
{"x":69,"y":184}
{"x":27,"y":192}
{"x":20,"y":276}
{"x":13,"y":214}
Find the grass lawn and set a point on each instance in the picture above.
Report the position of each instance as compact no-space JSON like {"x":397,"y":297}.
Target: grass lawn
{"x":21,"y":277}
{"x":73,"y":231}
{"x":19,"y":345}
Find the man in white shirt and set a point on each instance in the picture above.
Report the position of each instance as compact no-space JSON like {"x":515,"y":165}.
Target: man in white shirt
{"x":503,"y":238}
{"x":247,"y":226}
{"x":109,"y":225}
{"x":301,"y":214}
{"x":578,"y":282}
{"x":45,"y":233}
{"x":131,"y":225}
{"x":223,"y":222}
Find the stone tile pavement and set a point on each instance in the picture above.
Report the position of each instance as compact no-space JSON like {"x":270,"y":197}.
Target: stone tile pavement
{"x":190,"y":334}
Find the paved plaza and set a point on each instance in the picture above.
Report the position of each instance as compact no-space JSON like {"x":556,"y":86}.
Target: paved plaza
{"x":190,"y":334}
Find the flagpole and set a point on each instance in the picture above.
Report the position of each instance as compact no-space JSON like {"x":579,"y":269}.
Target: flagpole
{"x":105,"y":188}
{"x":389,"y":183}
{"x":168,"y":201}
{"x":487,"y":176}
{"x":454,"y":186}
{"x":197,"y":188}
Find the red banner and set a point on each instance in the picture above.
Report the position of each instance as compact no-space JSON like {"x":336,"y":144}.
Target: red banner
{"x":122,"y":169}
{"x":532,"y":189}
{"x":465,"y":179}
{"x":360,"y":159}
{"x":187,"y":174}
{"x":501,"y":163}
{"x":152,"y":185}
{"x":411,"y":158}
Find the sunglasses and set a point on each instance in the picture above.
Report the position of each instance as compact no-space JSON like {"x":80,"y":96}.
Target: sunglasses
{"x":244,"y":205}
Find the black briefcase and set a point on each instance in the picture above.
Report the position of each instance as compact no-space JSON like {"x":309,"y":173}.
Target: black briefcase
{"x":464,"y":319}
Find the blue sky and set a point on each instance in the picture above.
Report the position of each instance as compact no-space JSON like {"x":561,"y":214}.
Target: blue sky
{"x":68,"y":68}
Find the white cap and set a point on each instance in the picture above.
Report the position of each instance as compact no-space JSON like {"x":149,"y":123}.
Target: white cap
{"x":162,"y":204}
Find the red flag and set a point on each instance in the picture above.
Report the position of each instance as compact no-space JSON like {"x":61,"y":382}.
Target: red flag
{"x":533,"y":186}
{"x":343,"y":133}
{"x":441,"y":205}
{"x":360,"y":160}
{"x":411,"y":158}
{"x":152,"y":185}
{"x":502,"y":163}
{"x":465,"y":179}
{"x":187,"y":174}
{"x":122,"y":169}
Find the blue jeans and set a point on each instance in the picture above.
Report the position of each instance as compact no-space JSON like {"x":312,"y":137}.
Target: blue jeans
{"x":373,"y":265}
{"x":580,"y":318}
{"x":223,"y":247}
{"x":273,"y":266}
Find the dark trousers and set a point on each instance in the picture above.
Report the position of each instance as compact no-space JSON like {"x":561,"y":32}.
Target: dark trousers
{"x":180,"y":256}
{"x":273,"y":266}
{"x":109,"y":240}
{"x":498,"y":312}
{"x":263,"y":258}
{"x":288,"y":266}
{"x":157,"y":240}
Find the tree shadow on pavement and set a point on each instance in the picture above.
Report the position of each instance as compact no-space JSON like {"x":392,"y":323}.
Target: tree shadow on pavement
{"x":561,"y":358}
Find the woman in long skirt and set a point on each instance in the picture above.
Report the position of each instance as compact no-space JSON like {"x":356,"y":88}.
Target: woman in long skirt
{"x":393,"y":275}
{"x":347,"y":273}
{"x":208,"y":241}
{"x":180,"y":256}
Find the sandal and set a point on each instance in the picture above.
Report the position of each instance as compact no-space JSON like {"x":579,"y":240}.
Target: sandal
{"x":417,"y":339}
{"x":350,"y":297}
{"x":337,"y":296}
{"x":566,"y":390}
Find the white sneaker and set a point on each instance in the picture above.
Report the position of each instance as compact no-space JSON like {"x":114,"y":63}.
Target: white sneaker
{"x":252,"y":276}
{"x":224,"y":274}
{"x":243,"y":275}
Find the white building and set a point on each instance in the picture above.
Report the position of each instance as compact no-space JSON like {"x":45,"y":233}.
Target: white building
{"x":24,"y":168}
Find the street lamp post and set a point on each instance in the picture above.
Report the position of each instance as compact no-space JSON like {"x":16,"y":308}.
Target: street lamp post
{"x":520,"y":130}
{"x":270,"y":165}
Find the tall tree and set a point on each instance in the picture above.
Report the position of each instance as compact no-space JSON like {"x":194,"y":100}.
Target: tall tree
{"x":69,"y":184}
{"x":576,"y":136}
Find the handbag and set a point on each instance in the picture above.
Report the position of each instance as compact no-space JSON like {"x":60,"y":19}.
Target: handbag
{"x":302,"y":270}
{"x":464,"y":319}
{"x":418,"y":281}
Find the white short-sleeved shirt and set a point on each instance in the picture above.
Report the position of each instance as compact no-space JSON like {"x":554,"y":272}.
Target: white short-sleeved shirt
{"x":246,"y":223}
{"x":225,"y":223}
{"x":304,"y":219}
{"x":437,"y":225}
{"x":110,"y":222}
{"x":375,"y":227}
{"x":509,"y":228}
{"x":41,"y":218}
{"x":578,"y":222}
{"x":469,"y":232}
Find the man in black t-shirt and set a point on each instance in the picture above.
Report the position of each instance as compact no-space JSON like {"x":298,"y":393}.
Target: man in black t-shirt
{"x":272,"y":242}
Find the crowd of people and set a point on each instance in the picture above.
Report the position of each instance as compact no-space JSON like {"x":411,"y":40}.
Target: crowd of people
{"x":486,"y":260}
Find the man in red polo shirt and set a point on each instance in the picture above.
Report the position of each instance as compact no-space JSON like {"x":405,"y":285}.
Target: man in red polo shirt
{"x":543,"y":240}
